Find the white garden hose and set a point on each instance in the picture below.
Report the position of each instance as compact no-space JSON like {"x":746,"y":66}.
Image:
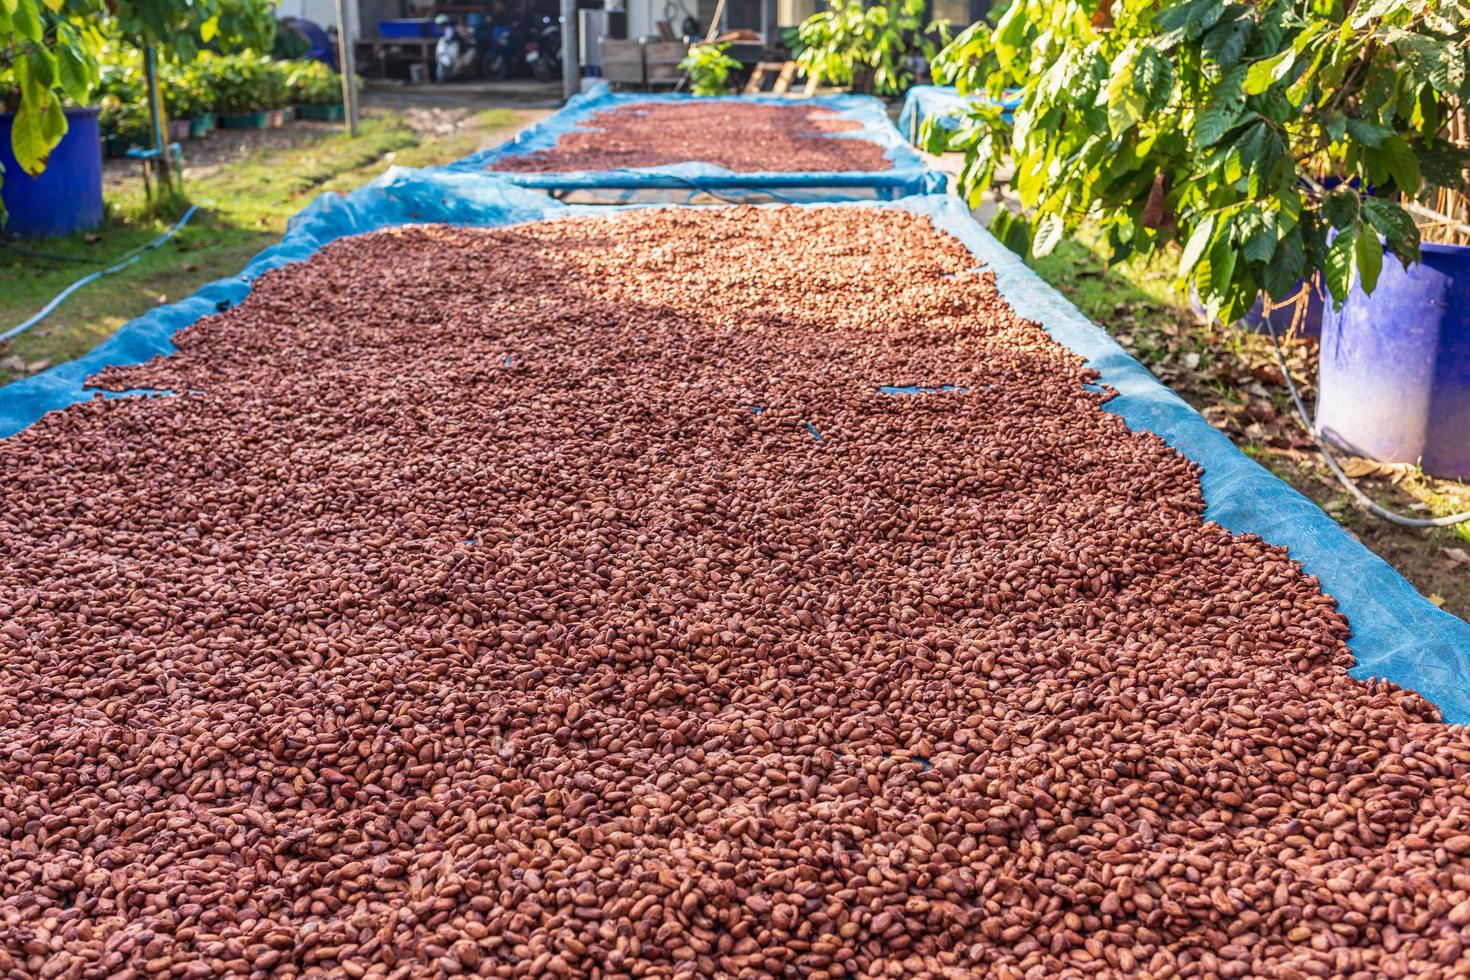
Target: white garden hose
{"x":130,"y":258}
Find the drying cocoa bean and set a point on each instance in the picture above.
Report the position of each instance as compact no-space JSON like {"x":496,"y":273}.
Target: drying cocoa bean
{"x":746,"y":137}
{"x":567,"y":599}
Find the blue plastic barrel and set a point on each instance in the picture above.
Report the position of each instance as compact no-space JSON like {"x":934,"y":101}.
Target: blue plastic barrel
{"x":67,"y":196}
{"x":1395,"y":370}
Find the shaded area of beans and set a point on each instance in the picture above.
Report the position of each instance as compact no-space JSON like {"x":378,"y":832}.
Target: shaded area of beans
{"x":466,"y":616}
{"x":739,"y":136}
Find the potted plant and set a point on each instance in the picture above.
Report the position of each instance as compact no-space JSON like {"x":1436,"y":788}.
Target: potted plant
{"x":866,"y":47}
{"x":189,"y":101}
{"x":120,"y":96}
{"x":281,"y":111}
{"x":708,"y":67}
{"x":50,"y":143}
{"x":248,"y":90}
{"x":1272,"y":142}
{"x":124,"y":125}
{"x":316,"y":91}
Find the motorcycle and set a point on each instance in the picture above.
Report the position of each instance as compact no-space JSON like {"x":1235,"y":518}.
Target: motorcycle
{"x":501,"y":55}
{"x":543,"y":55}
{"x":457,"y":55}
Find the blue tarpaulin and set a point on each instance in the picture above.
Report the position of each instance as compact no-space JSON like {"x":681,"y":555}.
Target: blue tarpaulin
{"x":945,"y":105}
{"x":1397,"y":634}
{"x":686,"y":181}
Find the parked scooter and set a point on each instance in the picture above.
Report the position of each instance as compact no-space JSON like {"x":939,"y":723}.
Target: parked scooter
{"x":457,"y":55}
{"x":543,"y":55}
{"x":502,"y":53}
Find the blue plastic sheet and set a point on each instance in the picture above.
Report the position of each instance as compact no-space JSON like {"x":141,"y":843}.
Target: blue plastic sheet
{"x":1397,"y":634}
{"x":945,"y":105}
{"x":689,"y":181}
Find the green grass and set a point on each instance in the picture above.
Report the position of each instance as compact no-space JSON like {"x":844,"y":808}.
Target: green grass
{"x":244,"y":208}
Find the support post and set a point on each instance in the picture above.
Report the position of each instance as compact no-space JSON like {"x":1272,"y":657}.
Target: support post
{"x":165,"y":180}
{"x":347,"y":61}
{"x":571,"y":50}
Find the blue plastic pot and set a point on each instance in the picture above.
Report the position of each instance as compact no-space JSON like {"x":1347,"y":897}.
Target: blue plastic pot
{"x":1395,"y":372}
{"x":67,"y":196}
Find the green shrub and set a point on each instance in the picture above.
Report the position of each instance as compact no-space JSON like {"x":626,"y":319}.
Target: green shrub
{"x":708,"y":68}
{"x":313,"y":83}
{"x":187,"y":92}
{"x":865,"y":47}
{"x":122,"y":92}
{"x":246,"y":82}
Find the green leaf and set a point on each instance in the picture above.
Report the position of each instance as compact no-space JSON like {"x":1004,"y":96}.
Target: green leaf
{"x":1126,"y":104}
{"x":1154,"y":77}
{"x":1225,"y":42}
{"x":1012,"y":230}
{"x":1367,"y":133}
{"x":1260,"y":242}
{"x":1206,"y":15}
{"x":1396,"y":226}
{"x":1369,"y":252}
{"x":1263,"y":74}
{"x":1342,"y":206}
{"x":1435,"y":62}
{"x":1048,"y":233}
{"x":39,"y":123}
{"x":26,"y":21}
{"x":75,"y":77}
{"x":1285,"y":270}
{"x":1196,"y":246}
{"x":1010,"y":35}
{"x":1402,"y":164}
{"x":1218,"y":267}
{"x":1443,"y":164}
{"x":43,"y":68}
{"x":1339,"y":266}
{"x":1378,"y":9}
{"x":1222,"y":111}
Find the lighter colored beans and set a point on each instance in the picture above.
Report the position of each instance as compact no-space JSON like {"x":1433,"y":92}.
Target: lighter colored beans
{"x":746,"y":137}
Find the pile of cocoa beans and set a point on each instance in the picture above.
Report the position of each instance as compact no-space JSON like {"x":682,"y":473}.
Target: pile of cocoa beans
{"x":566,"y":599}
{"x":746,"y":137}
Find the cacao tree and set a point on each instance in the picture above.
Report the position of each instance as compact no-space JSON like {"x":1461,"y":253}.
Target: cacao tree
{"x":1272,"y":141}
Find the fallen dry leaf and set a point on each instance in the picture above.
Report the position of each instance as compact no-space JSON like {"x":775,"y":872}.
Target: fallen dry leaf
{"x":1457,"y":555}
{"x":1356,"y":467}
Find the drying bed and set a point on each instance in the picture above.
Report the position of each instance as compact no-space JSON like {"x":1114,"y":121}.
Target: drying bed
{"x":945,"y":106}
{"x":744,"y":137}
{"x":723,"y":591}
{"x":672,"y":147}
